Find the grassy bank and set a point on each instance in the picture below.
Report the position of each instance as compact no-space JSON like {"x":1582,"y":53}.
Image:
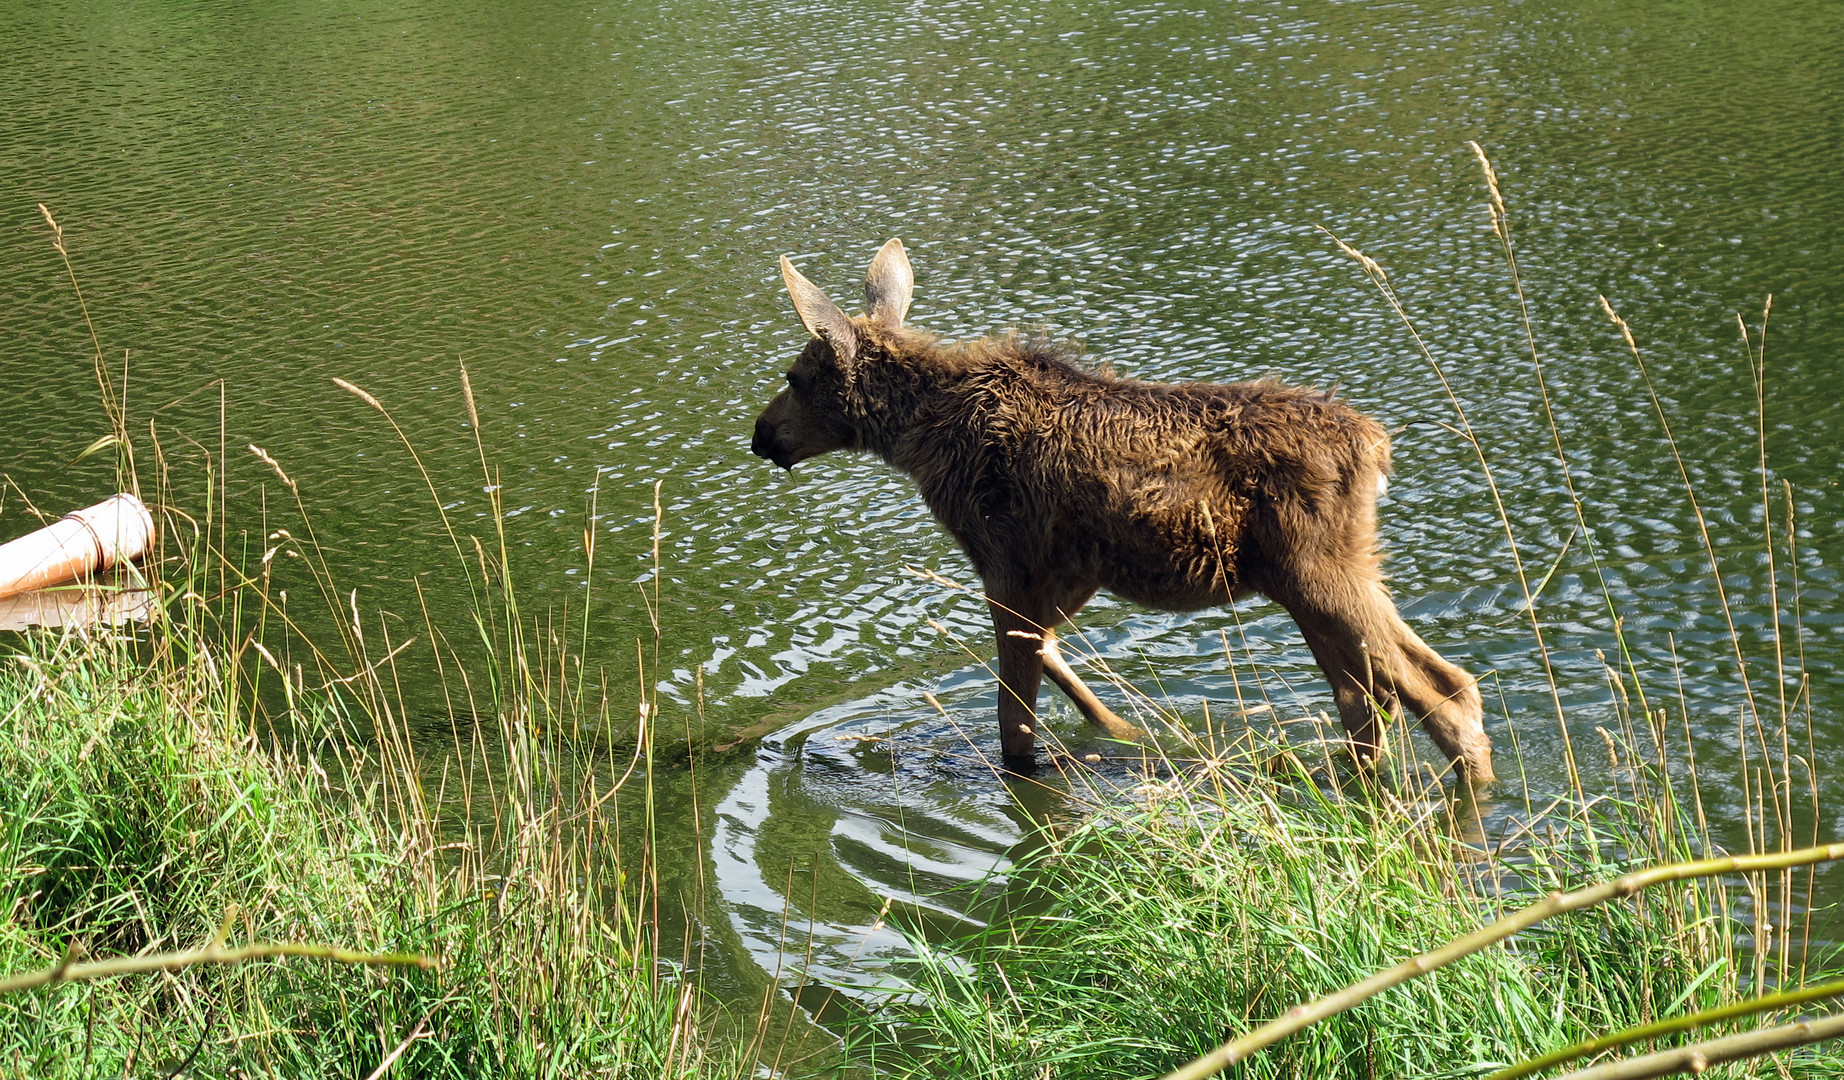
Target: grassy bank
{"x":1158,"y":917}
{"x":139,"y":810}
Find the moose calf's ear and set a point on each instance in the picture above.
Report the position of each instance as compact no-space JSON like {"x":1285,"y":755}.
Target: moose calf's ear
{"x":819,"y":315}
{"x":889,"y":285}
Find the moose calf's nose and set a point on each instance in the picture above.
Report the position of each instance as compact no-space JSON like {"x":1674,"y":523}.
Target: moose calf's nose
{"x":764,"y":439}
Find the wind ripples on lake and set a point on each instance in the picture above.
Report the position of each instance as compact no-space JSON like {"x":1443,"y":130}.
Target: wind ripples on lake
{"x":584,"y":205}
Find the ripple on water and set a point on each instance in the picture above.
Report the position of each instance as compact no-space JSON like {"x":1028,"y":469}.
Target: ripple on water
{"x":585,"y":207}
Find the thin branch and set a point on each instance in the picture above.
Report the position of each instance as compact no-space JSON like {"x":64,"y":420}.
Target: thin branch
{"x":419,"y":1031}
{"x":367,"y":669}
{"x":211,"y":1017}
{"x":1378,"y":278}
{"x":69,"y":970}
{"x":113,"y":405}
{"x":1643,"y":1032}
{"x":1698,"y":1057}
{"x":1303,"y":1016}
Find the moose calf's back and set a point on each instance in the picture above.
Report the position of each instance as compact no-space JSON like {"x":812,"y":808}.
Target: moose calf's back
{"x":1058,"y":481}
{"x":1161,"y":493}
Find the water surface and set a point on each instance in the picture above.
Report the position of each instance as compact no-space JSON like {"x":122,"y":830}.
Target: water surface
{"x":583,"y":204}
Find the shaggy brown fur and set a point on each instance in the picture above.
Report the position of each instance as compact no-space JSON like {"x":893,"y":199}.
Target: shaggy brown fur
{"x":1059,"y":481}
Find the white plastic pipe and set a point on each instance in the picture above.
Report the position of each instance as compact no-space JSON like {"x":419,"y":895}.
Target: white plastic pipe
{"x":117,"y":530}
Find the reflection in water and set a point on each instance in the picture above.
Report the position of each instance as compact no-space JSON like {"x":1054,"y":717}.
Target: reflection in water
{"x":76,"y":606}
{"x":584,"y":204}
{"x":882,"y":815}
{"x":867,"y":811}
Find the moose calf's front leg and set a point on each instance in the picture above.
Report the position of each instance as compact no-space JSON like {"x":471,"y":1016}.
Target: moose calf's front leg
{"x":1021,"y":668}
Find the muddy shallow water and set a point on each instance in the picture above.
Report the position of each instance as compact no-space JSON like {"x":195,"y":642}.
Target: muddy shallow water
{"x":584,"y":203}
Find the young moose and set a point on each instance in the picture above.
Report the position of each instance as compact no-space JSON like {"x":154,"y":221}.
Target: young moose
{"x":1059,"y":481}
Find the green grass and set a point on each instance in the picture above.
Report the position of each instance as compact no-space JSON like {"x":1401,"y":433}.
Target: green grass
{"x":137,"y":812}
{"x":1187,"y":912}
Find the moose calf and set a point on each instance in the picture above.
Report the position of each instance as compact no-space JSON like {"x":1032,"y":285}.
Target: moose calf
{"x":1058,"y":481}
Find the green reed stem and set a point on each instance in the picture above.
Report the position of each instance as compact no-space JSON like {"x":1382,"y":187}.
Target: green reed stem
{"x":1698,"y":1057}
{"x":70,"y":969}
{"x":1643,"y":1032}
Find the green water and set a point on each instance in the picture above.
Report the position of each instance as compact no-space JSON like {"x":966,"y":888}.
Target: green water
{"x":584,"y":204}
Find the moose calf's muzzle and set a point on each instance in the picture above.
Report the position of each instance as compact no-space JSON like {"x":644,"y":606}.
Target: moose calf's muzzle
{"x":764,"y":445}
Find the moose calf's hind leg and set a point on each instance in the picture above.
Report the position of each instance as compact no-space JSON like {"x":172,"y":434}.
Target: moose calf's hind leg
{"x":1372,"y":658}
{"x":1447,"y":700}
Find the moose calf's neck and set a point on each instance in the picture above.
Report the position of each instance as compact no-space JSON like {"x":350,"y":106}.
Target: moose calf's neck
{"x":900,"y":374}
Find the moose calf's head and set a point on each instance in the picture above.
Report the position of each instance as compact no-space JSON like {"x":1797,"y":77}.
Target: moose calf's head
{"x":822,"y":409}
